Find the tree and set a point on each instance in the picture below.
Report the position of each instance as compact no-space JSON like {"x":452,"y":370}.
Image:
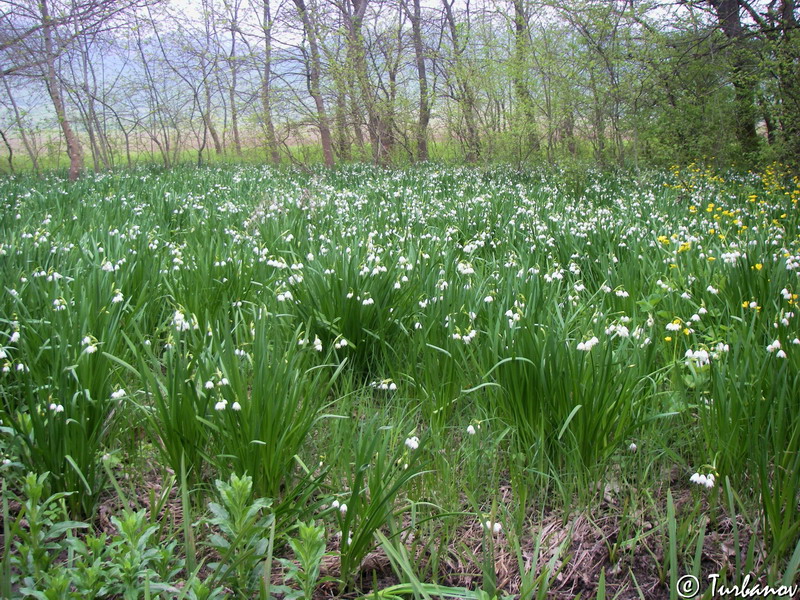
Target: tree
{"x":314,"y":70}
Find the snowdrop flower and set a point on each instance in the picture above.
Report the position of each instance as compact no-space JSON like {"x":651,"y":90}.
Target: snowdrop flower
{"x":674,"y":326}
{"x":58,"y":408}
{"x":209,"y":385}
{"x":317,"y":344}
{"x":180,"y":322}
{"x":236,"y":406}
{"x":780,"y":354}
{"x":706,"y":481}
{"x":495,"y":528}
{"x":223,"y":381}
{"x":712,"y":290}
{"x":120,"y":393}
{"x":588,"y":344}
{"x":118,"y":297}
{"x":698,"y":479}
{"x":14,"y":338}
{"x":90,"y":349}
{"x":220,"y":405}
{"x":340,"y":344}
{"x":412,"y":442}
{"x":343,"y":509}
{"x":488,"y":299}
{"x":633,"y":447}
{"x":776,"y":345}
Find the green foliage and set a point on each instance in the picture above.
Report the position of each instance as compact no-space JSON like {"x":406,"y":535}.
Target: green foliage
{"x":245,"y":527}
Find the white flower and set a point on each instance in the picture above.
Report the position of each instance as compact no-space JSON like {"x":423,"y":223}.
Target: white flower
{"x":317,"y":344}
{"x":118,"y":297}
{"x":712,"y":290}
{"x":335,"y":504}
{"x":120,"y":393}
{"x":488,"y":299}
{"x":180,"y":322}
{"x":412,"y":442}
{"x":343,"y":509}
{"x":223,"y":381}
{"x":673,"y":326}
{"x":633,"y":447}
{"x":236,"y":406}
{"x":588,"y":344}
{"x":465,"y":268}
{"x":86,"y":341}
{"x":706,"y":481}
{"x":90,"y":349}
{"x":495,"y":528}
{"x":14,"y":338}
{"x":209,"y":385}
{"x":776,"y":345}
{"x":780,"y":354}
{"x":471,"y":430}
{"x":220,"y":405}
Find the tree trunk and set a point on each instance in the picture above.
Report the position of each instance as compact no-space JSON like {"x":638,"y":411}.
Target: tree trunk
{"x":10,"y":151}
{"x":466,"y":93}
{"x":314,"y":71}
{"x":266,"y":87}
{"x":356,"y":54}
{"x":209,"y":123}
{"x":424,"y":115}
{"x":518,"y":71}
{"x":744,"y":125}
{"x":18,"y":120}
{"x":74,"y":148}
{"x":237,"y":142}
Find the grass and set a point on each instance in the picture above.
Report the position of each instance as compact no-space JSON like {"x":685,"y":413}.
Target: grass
{"x":246,"y":350}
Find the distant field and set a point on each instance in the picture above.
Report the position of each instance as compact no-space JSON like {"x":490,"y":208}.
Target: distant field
{"x":474,"y":382}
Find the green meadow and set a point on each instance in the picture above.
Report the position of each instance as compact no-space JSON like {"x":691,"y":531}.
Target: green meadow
{"x":423,"y":382}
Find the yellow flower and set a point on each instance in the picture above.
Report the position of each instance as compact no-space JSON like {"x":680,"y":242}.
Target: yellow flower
{"x":668,"y":338}
{"x":759,"y":266}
